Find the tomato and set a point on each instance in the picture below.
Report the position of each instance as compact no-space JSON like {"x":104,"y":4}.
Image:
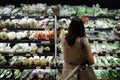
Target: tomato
{"x":85,"y":19}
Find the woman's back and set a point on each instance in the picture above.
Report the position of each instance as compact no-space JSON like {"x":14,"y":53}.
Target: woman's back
{"x":76,"y":54}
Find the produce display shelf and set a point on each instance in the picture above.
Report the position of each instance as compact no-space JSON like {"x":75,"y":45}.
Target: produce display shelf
{"x":91,"y":17}
{"x":106,"y":67}
{"x":102,"y":29}
{"x":26,"y":54}
{"x":28,"y":41}
{"x":99,"y":67}
{"x":103,"y":41}
{"x":89,"y":29}
{"x":107,"y":54}
{"x":27,"y":67}
{"x":16,"y":29}
{"x":20,"y":17}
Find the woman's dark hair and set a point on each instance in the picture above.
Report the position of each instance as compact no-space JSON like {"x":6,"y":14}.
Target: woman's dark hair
{"x":76,"y":29}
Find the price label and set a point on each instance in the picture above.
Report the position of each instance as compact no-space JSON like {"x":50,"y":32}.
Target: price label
{"x":95,"y":42}
{"x":50,"y":16}
{"x":117,"y":17}
{"x":45,"y":42}
{"x":38,"y":67}
{"x":109,"y":68}
{"x":93,"y":67}
{"x":10,"y":54}
{"x":4,"y":29}
{"x":26,"y":17}
{"x":48,"y":68}
{"x":87,"y":29}
{"x":116,"y":42}
{"x":100,"y":68}
{"x":27,"y":54}
{"x":0,"y":17}
{"x":35,"y":55}
{"x":41,"y":16}
{"x":114,"y":29}
{"x":92,"y":29}
{"x":107,"y":54}
{"x":71,"y":17}
{"x":12,"y":16}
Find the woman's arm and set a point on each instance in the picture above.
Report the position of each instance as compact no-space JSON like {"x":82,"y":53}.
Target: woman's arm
{"x":89,"y":52}
{"x":90,"y":58}
{"x":62,"y":32}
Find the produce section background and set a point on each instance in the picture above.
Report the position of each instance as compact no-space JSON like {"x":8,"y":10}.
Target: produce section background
{"x":44,"y":58}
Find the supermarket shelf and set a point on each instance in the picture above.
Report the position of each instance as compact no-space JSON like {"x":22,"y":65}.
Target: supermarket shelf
{"x":103,"y":41}
{"x":26,"y":67}
{"x":107,"y":54}
{"x":26,"y":54}
{"x":100,"y":67}
{"x":96,"y":30}
{"x":91,"y":17}
{"x":102,"y":29}
{"x":20,"y":17}
{"x":14,"y":29}
{"x":106,"y":67}
{"x":28,"y":41}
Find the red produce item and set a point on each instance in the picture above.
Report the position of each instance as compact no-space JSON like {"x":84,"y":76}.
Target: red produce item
{"x":85,"y":19}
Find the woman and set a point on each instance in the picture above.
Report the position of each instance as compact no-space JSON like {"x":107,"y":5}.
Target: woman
{"x":76,"y":48}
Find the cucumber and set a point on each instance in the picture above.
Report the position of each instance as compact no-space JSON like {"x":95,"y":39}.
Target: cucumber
{"x":8,"y":72}
{"x":1,"y":71}
{"x":18,"y":76}
{"x":25,"y":73}
{"x":9,"y":75}
{"x":3,"y":74}
{"x":16,"y":72}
